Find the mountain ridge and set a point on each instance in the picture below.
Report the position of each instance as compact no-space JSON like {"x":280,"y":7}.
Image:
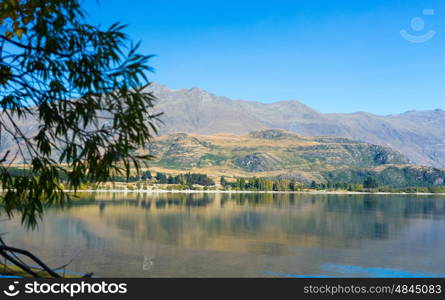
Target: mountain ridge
{"x":417,"y":134}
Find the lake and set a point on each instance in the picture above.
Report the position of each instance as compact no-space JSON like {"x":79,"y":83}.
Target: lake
{"x":241,"y":235}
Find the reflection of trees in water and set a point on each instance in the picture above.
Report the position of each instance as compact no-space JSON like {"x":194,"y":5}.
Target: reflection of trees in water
{"x":335,"y":220}
{"x":399,"y":205}
{"x":192,"y":200}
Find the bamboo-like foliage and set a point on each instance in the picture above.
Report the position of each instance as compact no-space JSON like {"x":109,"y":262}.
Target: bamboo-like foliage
{"x":85,"y":86}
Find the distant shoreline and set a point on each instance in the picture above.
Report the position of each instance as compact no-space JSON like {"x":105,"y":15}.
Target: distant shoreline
{"x":250,"y":192}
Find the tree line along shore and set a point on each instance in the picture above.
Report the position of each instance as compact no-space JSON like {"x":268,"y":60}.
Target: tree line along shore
{"x":203,"y":182}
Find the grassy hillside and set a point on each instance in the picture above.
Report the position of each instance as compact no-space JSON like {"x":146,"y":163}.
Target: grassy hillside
{"x":267,"y":153}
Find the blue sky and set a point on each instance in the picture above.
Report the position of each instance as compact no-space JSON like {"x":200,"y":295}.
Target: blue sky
{"x":333,"y":55}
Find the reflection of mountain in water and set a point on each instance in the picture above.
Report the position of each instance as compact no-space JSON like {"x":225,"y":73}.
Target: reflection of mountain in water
{"x":239,"y":234}
{"x":270,"y":221}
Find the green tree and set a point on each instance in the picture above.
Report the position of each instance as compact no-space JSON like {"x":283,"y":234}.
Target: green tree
{"x":161,"y":178}
{"x":314,"y":185}
{"x":268,"y":185}
{"x":146,"y":175}
{"x":293,"y":185}
{"x":370,"y":183}
{"x":283,"y":185}
{"x":241,"y":184}
{"x":87,"y":89}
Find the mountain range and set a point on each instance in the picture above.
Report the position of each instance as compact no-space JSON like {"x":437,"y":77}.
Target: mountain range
{"x":276,"y":153}
{"x":418,"y":135}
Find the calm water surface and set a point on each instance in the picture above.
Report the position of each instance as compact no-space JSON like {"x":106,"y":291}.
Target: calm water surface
{"x":238,"y":235}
